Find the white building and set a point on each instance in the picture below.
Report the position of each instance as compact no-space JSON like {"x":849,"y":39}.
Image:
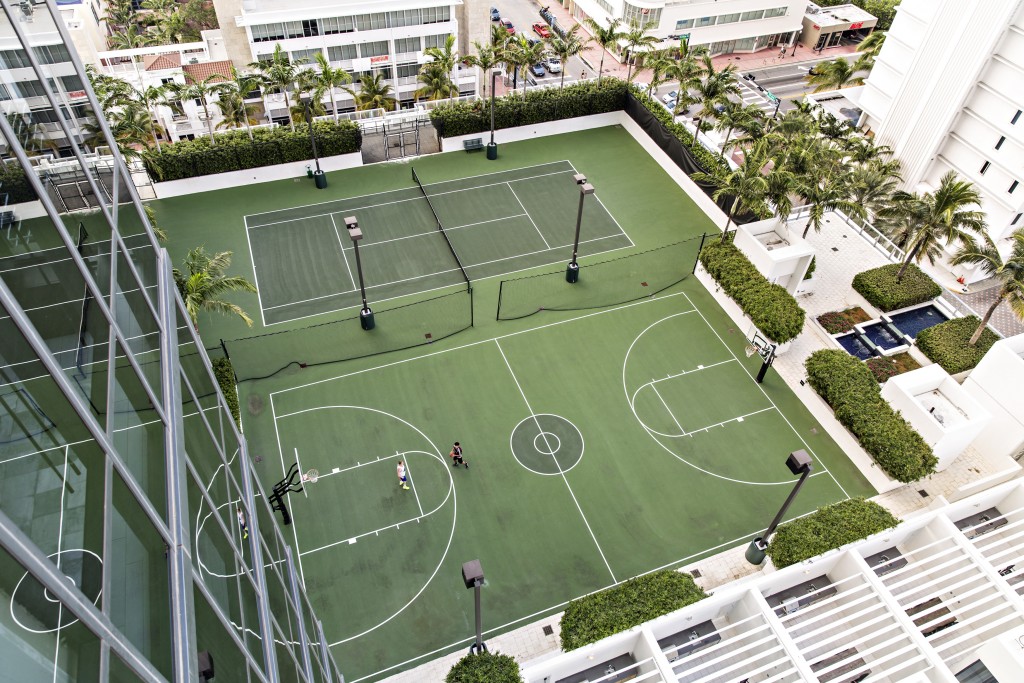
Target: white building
{"x":725,"y":26}
{"x":363,"y":37}
{"x":946,"y":94}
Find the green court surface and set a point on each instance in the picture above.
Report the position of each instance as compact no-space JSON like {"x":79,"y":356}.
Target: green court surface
{"x":496,"y":223}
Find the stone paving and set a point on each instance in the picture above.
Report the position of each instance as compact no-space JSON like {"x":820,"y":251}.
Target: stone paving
{"x":983,"y":294}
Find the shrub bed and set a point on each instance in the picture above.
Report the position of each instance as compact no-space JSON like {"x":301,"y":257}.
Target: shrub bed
{"x":946,"y":343}
{"x":593,"y":617}
{"x":774,"y":310}
{"x":830,"y":527}
{"x":837,"y":322}
{"x":852,"y":391}
{"x":885,"y":367}
{"x":225,"y":375}
{"x":15,"y":185}
{"x":234,"y":151}
{"x":485,"y":667}
{"x":880,"y":288}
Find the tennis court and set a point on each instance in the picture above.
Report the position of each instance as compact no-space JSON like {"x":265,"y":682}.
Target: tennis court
{"x":490,"y":224}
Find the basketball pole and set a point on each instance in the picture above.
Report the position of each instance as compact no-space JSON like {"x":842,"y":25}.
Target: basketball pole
{"x":572,"y":271}
{"x":365,"y":314}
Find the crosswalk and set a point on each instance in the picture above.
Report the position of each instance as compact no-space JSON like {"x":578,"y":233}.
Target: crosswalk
{"x":750,"y":94}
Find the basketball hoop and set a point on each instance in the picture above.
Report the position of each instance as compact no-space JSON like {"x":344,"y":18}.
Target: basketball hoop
{"x":311,"y":476}
{"x":751,"y":350}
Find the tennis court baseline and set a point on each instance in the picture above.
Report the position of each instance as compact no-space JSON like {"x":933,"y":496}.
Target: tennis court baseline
{"x":498,"y":223}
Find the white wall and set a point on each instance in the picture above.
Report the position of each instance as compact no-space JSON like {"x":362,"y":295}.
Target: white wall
{"x":998,"y":384}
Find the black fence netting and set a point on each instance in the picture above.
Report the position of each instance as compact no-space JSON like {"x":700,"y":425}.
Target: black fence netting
{"x":403,"y":327}
{"x":604,"y":283}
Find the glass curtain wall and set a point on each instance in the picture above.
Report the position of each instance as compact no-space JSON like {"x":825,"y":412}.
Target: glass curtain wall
{"x":124,"y":481}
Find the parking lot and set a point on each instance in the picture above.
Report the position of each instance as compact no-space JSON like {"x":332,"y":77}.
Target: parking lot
{"x":524,"y":14}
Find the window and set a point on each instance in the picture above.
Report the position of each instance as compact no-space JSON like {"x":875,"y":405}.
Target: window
{"x":606,"y":6}
{"x":1002,"y":139}
{"x":752,"y":16}
{"x":334,"y":25}
{"x":1013,"y":186}
{"x":370,"y":22}
{"x":685,"y":23}
{"x":374,"y":49}
{"x":775,"y":12}
{"x":641,"y":16}
{"x":52,"y":54}
{"x":1016,"y":218}
{"x":434,"y":41}
{"x":13,"y":59}
{"x":341,"y":53}
{"x":308,"y":55}
{"x":705,"y":21}
{"x":1016,"y":116}
{"x":408,"y":70}
{"x":310,"y":27}
{"x":728,"y":18}
{"x":407,"y":45}
{"x":984,"y":167}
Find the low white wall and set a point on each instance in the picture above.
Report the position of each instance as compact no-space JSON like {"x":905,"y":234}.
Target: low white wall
{"x":265,"y":174}
{"x":27,"y":210}
{"x":537,"y":130}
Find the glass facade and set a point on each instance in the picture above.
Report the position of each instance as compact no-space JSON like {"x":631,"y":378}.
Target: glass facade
{"x":135,"y":542}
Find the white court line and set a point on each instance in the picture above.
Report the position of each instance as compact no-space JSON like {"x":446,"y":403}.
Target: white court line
{"x":682,"y":432}
{"x":343,"y":257}
{"x":60,"y":539}
{"x":614,"y":220}
{"x":532,"y":222}
{"x":528,"y":407}
{"x":255,"y":276}
{"x":408,"y":473}
{"x":492,"y":220}
{"x":300,"y":473}
{"x":87,"y":259}
{"x":442,"y":272}
{"x":284,"y":471}
{"x":798,"y":435}
{"x":740,"y":418}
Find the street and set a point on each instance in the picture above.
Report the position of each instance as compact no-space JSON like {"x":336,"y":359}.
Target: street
{"x":524,"y":14}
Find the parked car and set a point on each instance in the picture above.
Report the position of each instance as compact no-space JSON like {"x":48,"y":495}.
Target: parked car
{"x":542,"y":30}
{"x":495,"y":14}
{"x":670,"y":97}
{"x":531,"y":41}
{"x":641,"y":86}
{"x":537,"y":70}
{"x":554,"y":65}
{"x":508,"y":26}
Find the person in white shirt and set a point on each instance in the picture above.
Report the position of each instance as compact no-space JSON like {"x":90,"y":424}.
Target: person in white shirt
{"x":402,"y":481}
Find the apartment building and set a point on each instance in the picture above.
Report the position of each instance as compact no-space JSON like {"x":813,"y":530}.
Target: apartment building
{"x":725,"y":26}
{"x":946,"y":95}
{"x":136,"y":542}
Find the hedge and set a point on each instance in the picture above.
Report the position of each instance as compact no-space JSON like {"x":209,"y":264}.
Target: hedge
{"x":880,"y":288}
{"x":832,"y":526}
{"x":946,"y":343}
{"x":234,"y":151}
{"x":852,"y":391}
{"x":14,"y":184}
{"x":593,"y":617}
{"x":225,"y":375}
{"x":710,"y":161}
{"x":774,"y":310}
{"x":541,"y":105}
{"x":485,"y":667}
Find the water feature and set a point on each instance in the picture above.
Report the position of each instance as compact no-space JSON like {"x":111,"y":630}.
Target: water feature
{"x":852,"y":343}
{"x":916,"y":319}
{"x":880,"y":334}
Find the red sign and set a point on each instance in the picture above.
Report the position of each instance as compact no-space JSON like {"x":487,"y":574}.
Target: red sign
{"x":75,"y":94}
{"x":859,"y":24}
{"x":380,"y":59}
{"x":817,"y":28}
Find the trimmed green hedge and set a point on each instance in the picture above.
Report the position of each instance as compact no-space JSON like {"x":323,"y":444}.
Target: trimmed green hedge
{"x":14,"y":184}
{"x":541,"y":105}
{"x":225,"y":375}
{"x":832,"y":526}
{"x":234,"y":151}
{"x":879,"y":287}
{"x":593,"y":617}
{"x":850,"y":388}
{"x":485,"y":667}
{"x":946,"y":343}
{"x":774,"y":310}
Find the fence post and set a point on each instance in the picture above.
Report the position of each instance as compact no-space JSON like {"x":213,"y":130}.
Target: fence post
{"x":699,"y":249}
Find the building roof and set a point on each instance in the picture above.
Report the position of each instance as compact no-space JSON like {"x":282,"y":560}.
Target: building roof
{"x":159,"y":62}
{"x":200,"y":72}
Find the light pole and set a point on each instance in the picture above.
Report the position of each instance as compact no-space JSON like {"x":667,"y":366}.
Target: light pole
{"x":365,"y":314}
{"x":473,"y":577}
{"x":318,"y":176}
{"x":492,"y":146}
{"x":572,"y":271}
{"x":798,"y":462}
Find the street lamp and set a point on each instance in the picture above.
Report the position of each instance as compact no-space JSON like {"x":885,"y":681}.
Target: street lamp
{"x":572,"y":271}
{"x":365,"y":314}
{"x":492,"y":146}
{"x":798,"y":462}
{"x":473,"y":577}
{"x":318,"y":176}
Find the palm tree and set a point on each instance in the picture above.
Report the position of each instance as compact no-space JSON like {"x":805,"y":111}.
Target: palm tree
{"x":279,"y":73}
{"x":235,"y":111}
{"x":206,"y":281}
{"x":329,"y":78}
{"x":873,"y":185}
{"x":1009,"y":272}
{"x":149,"y":97}
{"x":234,"y":89}
{"x":747,"y":186}
{"x":736,"y":116}
{"x":636,"y":37}
{"x":921,"y":222}
{"x":605,"y":38}
{"x":823,"y":193}
{"x":565,"y":47}
{"x":131,"y":127}
{"x":868,"y":50}
{"x":447,"y":58}
{"x":374,"y":93}
{"x":119,"y":13}
{"x":130,"y":37}
{"x":687,"y":71}
{"x":437,"y":82}
{"x":198,"y":90}
{"x":486,"y":58}
{"x":524,"y":54}
{"x":715,"y":89}
{"x":839,"y":73}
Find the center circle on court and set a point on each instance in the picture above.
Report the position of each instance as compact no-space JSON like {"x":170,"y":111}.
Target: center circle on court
{"x":35,"y":609}
{"x":547,"y":444}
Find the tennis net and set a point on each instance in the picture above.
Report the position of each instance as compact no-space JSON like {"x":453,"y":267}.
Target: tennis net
{"x":440,"y":227}
{"x":604,"y":283}
{"x":403,"y":327}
